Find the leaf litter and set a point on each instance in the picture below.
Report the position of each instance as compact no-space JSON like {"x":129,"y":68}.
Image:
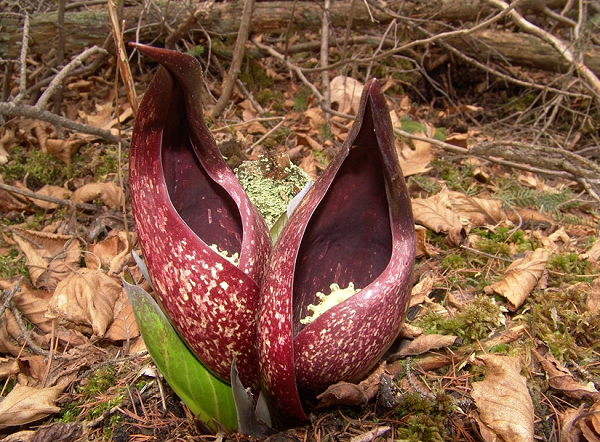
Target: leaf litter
{"x":503,"y":329}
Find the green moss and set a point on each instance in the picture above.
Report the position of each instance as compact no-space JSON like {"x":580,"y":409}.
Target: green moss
{"x":425,"y":418}
{"x":560,"y":318}
{"x":570,"y":265}
{"x":477,"y":320}
{"x":69,"y":413}
{"x":99,"y":382}
{"x":39,"y":167}
{"x":13,"y":263}
{"x":453,"y":262}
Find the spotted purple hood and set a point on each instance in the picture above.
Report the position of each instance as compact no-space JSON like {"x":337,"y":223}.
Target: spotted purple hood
{"x":185,"y":199}
{"x":354,"y":226}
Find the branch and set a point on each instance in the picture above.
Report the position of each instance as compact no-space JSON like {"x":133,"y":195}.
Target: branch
{"x":238,"y":58}
{"x":562,"y":48}
{"x":47,"y":198}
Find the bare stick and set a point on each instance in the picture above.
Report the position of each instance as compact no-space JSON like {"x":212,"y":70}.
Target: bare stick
{"x":60,"y":57}
{"x":325,"y":55}
{"x":558,"y":44}
{"x":122,"y":57}
{"x":47,"y":198}
{"x":23,"y":62}
{"x":238,"y":58}
{"x":59,"y":79}
{"x":25,"y":110}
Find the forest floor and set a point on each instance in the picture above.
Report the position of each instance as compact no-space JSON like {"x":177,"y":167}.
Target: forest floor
{"x":502,"y":337}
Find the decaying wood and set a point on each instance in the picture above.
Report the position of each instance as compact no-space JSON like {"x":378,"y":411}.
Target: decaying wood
{"x":92,"y":27}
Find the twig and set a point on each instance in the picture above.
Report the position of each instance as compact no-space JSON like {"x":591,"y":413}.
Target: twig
{"x":250,"y":98}
{"x":562,"y":48}
{"x":122,"y":57}
{"x":325,"y":55}
{"x":265,"y":136}
{"x":23,"y":62}
{"x":48,"y":198}
{"x":60,"y":58}
{"x":25,"y":110}
{"x":58,"y":80}
{"x":10,"y":295}
{"x":371,"y":435}
{"x":238,"y":58}
{"x":431,"y":37}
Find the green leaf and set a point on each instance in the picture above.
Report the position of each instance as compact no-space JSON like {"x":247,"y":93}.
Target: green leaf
{"x":206,"y":396}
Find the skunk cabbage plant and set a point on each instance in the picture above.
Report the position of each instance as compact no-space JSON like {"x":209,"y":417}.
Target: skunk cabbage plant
{"x":330,"y":298}
{"x":354,"y":229}
{"x":204,"y":242}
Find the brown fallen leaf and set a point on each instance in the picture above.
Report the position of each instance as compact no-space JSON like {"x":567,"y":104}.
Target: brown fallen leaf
{"x":346,"y":92}
{"x":308,"y":165}
{"x":85,"y":298}
{"x":414,"y":161}
{"x":424,"y":343}
{"x":346,"y":393}
{"x":504,"y":406}
{"x":593,"y":254}
{"x":593,"y":300}
{"x":569,"y":428}
{"x":63,"y":149}
{"x":124,"y":327}
{"x":521,"y":277}
{"x":50,"y":257}
{"x":26,"y":404}
{"x":434,"y":215}
{"x":53,"y":191}
{"x":473,"y":208}
{"x":109,"y":193}
{"x":111,"y":253}
{"x":8,"y":367}
{"x":562,"y":379}
{"x":32,"y":303}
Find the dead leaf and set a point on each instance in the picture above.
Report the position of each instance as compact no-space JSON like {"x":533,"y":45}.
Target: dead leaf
{"x":569,"y":420}
{"x":422,"y":246}
{"x":421,"y":290}
{"x":472,"y":208}
{"x":85,"y":298}
{"x":63,"y":149}
{"x":50,"y":257}
{"x":8,"y":367}
{"x":53,"y":191}
{"x":34,"y":366}
{"x":26,"y":404}
{"x":593,"y":299}
{"x":346,"y":92}
{"x":424,"y":343}
{"x":593,"y":254}
{"x":111,"y":253}
{"x":429,"y":212}
{"x":109,"y":193}
{"x":315,"y":117}
{"x":309,"y":166}
{"x":346,"y":393}
{"x":6,"y":142}
{"x":414,"y":161}
{"x":342,"y":393}
{"x":521,"y":277}
{"x":503,"y":402}
{"x":562,"y":379}
{"x":124,"y":327}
